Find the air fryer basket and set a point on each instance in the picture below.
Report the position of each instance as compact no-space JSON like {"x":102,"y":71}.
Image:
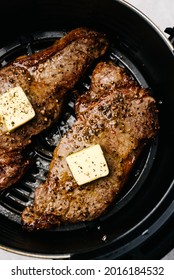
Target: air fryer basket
{"x":143,"y":212}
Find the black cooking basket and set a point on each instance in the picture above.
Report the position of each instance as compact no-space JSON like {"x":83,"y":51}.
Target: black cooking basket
{"x":139,"y":224}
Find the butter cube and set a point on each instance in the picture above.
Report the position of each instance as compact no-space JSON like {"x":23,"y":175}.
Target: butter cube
{"x":88,"y":164}
{"x":15,"y":108}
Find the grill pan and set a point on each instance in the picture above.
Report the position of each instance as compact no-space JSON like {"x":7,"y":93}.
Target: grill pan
{"x":143,"y":212}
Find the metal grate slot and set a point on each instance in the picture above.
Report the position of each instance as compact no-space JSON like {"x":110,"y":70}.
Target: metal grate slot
{"x":20,"y":195}
{"x":13,"y":204}
{"x":24,"y":192}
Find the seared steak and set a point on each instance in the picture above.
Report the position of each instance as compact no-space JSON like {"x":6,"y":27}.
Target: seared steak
{"x":45,"y":77}
{"x":120,"y":116}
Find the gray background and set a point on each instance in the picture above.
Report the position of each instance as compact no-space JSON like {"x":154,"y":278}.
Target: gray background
{"x":161,"y":12}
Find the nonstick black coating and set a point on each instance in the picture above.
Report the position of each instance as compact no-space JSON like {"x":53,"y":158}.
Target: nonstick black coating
{"x":145,"y":206}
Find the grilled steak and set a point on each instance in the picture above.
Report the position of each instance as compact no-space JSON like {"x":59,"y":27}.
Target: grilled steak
{"x":45,"y":77}
{"x":120,"y":116}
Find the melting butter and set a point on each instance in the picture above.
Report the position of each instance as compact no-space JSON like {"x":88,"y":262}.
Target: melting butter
{"x":88,"y":164}
{"x":15,"y":108}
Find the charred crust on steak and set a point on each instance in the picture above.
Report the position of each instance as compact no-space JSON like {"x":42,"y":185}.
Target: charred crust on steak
{"x":120,"y":116}
{"x":46,"y":77}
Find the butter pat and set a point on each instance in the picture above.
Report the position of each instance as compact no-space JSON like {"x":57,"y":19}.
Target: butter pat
{"x":15,"y":108}
{"x":88,"y":164}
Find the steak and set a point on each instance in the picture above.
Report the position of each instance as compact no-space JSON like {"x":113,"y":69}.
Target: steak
{"x":46,"y":77}
{"x":120,"y":116}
